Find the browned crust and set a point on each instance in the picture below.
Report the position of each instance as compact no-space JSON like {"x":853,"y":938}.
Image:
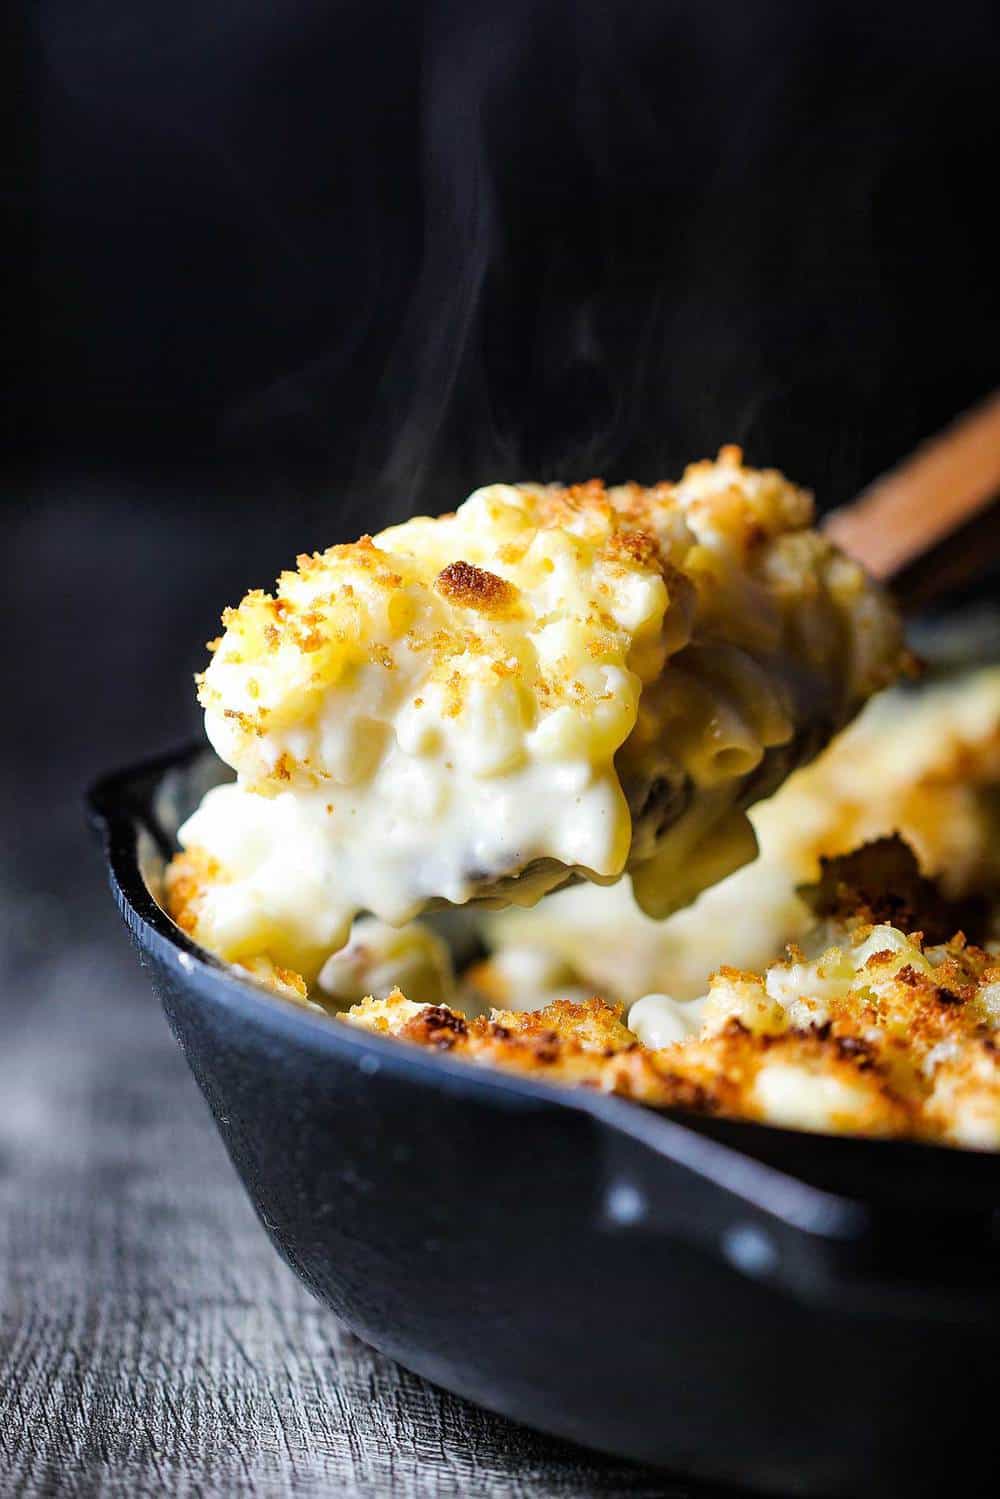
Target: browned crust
{"x":639,"y":547}
{"x":184,"y":882}
{"x":872,"y":1047}
{"x":880,"y":883}
{"x":876,"y":1040}
{"x":580,"y":1045}
{"x":476,"y":588}
{"x":587,"y":1045}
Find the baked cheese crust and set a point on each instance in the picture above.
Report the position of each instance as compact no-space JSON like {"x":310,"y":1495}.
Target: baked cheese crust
{"x":553,"y":683}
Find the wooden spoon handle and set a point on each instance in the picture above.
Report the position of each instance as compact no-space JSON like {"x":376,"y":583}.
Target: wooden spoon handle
{"x":933,"y":522}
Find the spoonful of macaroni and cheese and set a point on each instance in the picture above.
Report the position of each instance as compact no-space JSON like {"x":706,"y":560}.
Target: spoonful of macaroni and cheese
{"x":553,"y":683}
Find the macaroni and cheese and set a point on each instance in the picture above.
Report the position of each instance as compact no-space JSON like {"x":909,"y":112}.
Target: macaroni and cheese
{"x":551,"y":684}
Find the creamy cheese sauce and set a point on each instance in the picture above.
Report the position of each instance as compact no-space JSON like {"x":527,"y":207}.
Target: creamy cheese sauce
{"x":547,"y":684}
{"x":301,"y":864}
{"x":658,"y":1020}
{"x":921,"y":761}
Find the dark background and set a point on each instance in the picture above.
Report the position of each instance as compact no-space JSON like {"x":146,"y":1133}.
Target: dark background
{"x":299,"y":269}
{"x":294,"y":269}
{"x":387,"y":249}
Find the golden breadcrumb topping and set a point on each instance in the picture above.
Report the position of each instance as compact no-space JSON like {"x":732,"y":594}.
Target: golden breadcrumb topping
{"x":281,"y":981}
{"x":538,"y":588}
{"x":607,"y":563}
{"x":879,"y":1035}
{"x":881,"y":1019}
{"x":551,"y":683}
{"x":186,"y":879}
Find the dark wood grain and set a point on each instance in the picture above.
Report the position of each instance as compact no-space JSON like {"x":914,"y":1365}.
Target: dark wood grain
{"x":151,"y":1341}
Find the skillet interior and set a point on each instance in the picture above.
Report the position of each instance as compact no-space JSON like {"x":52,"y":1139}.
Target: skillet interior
{"x":893,"y":1186}
{"x":513,"y":1241}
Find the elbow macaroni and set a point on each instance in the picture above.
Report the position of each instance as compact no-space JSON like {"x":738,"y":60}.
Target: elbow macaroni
{"x":878,"y":1035}
{"x":923,"y":761}
{"x":550,"y":683}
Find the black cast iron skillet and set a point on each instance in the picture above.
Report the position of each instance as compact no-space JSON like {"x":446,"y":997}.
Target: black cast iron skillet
{"x":796,"y":1313}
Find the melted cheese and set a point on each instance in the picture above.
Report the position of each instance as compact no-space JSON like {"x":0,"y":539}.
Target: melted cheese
{"x":550,"y":683}
{"x":921,"y":761}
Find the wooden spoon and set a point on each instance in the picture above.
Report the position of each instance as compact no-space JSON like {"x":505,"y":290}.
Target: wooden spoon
{"x":932,"y":524}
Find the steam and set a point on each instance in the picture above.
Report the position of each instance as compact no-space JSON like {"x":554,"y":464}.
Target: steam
{"x":645,"y":234}
{"x":504,"y":367}
{"x":415,"y":248}
{"x":434,"y":366}
{"x":582,"y":287}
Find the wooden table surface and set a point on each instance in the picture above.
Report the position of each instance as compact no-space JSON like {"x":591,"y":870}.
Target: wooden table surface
{"x":151,"y":1341}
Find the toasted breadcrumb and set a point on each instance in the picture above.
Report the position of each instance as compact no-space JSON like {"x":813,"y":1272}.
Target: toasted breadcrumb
{"x":883,"y":1030}
{"x":187,"y":876}
{"x":283,"y":981}
{"x":412,"y":710}
{"x":879,"y":1035}
{"x":883,"y":1020}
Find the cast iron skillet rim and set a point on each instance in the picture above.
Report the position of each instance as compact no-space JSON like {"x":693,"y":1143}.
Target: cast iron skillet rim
{"x":118,"y":806}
